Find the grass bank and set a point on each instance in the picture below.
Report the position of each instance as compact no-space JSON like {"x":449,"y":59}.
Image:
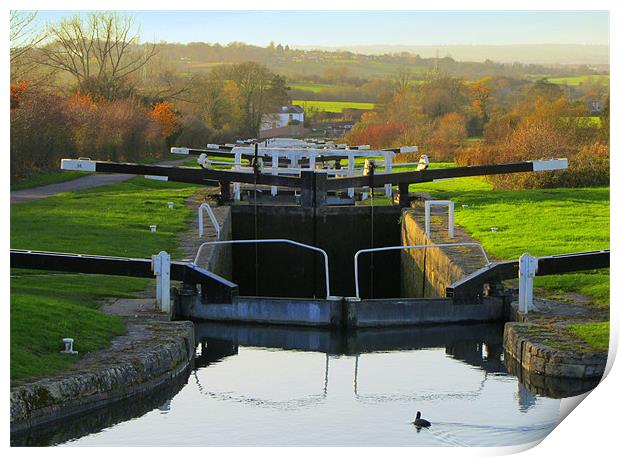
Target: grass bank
{"x":107,"y":220}
{"x":538,"y":221}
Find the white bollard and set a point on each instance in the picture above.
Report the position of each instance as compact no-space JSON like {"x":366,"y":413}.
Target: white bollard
{"x":528,"y":265}
{"x":237,"y":167}
{"x":160,"y":265}
{"x":388,"y":169}
{"x":170,"y":205}
{"x":153,"y":228}
{"x":274,"y":171}
{"x":68,"y":346}
{"x":350,"y":172}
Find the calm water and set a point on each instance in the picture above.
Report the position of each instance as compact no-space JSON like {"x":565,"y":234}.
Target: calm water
{"x":277,"y":386}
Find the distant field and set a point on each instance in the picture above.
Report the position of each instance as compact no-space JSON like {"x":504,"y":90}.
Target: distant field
{"x":577,"y":80}
{"x":317,"y":88}
{"x":332,"y":107}
{"x":586,"y":121}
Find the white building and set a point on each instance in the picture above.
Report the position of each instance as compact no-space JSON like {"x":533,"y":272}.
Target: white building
{"x":285,"y":116}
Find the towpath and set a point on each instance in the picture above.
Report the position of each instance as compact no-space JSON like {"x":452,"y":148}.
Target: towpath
{"x":94,"y":180}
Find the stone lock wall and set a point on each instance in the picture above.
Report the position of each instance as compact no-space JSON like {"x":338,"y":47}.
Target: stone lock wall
{"x":165,"y":352}
{"x":525,"y":343}
{"x":427,"y":272}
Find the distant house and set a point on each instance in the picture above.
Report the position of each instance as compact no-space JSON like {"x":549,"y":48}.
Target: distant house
{"x":286,"y":115}
{"x":594,"y":105}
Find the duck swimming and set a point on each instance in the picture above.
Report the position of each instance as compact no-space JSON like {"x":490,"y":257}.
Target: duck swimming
{"x":419,"y":422}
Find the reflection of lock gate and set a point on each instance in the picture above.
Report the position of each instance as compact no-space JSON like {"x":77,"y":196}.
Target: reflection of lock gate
{"x":319,"y":398}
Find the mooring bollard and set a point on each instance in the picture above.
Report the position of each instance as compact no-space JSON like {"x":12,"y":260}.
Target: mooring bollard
{"x":170,"y":205}
{"x":528,"y":265}
{"x":160,"y":265}
{"x":153,"y":228}
{"x":68,"y":346}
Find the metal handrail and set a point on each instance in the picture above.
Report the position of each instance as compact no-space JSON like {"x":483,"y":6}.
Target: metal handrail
{"x":418,"y":246}
{"x":275,"y":240}
{"x":211,"y":214}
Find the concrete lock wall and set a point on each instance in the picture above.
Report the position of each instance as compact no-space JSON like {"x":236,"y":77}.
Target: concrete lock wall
{"x":271,"y":310}
{"x":427,"y":272}
{"x":290,"y":271}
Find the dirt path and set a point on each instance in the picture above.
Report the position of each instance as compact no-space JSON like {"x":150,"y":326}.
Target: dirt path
{"x":94,"y":180}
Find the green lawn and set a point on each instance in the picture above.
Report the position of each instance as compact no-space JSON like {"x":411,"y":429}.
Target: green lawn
{"x":596,"y":334}
{"x":107,"y":220}
{"x":332,"y":107}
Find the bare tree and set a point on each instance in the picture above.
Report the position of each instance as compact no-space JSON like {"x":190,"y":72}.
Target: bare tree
{"x":403,"y":81}
{"x":160,"y":82}
{"x":100,"y":50}
{"x":24,"y":37}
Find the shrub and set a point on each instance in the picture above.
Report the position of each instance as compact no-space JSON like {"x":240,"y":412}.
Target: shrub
{"x":39,"y":134}
{"x":587,"y":167}
{"x":194,"y":132}
{"x":376,"y":135}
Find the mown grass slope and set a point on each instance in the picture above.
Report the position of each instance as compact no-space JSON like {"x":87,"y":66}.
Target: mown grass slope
{"x":108,"y":220}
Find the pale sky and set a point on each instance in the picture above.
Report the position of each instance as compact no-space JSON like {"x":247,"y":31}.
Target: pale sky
{"x":341,"y":28}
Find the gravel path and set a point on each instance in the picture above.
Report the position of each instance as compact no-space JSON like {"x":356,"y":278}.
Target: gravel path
{"x":94,"y":180}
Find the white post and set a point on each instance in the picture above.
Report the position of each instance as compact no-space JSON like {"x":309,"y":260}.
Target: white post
{"x":350,"y":171}
{"x":427,"y":219}
{"x":451,"y":219}
{"x":388,"y":169}
{"x":527,"y":271}
{"x":274,"y":172}
{"x":160,"y":265}
{"x":236,"y":185}
{"x":156,"y":268}
{"x":312,"y":159}
{"x":165,"y":281}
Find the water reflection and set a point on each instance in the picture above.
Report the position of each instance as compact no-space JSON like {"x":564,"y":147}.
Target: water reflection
{"x":259,"y":385}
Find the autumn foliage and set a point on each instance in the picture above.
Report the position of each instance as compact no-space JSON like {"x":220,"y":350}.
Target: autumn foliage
{"x":165,"y":117}
{"x":46,"y":127}
{"x":17,"y":92}
{"x":375,"y":135}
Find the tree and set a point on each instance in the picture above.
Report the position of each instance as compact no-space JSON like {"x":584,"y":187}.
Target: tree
{"x":278,"y":91}
{"x":450,"y":129}
{"x":166,"y":118}
{"x":605,"y":126}
{"x":24,"y":37}
{"x":403,"y":81}
{"x":260,"y":91}
{"x":442,"y":95}
{"x":100,"y":50}
{"x":545,"y":89}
